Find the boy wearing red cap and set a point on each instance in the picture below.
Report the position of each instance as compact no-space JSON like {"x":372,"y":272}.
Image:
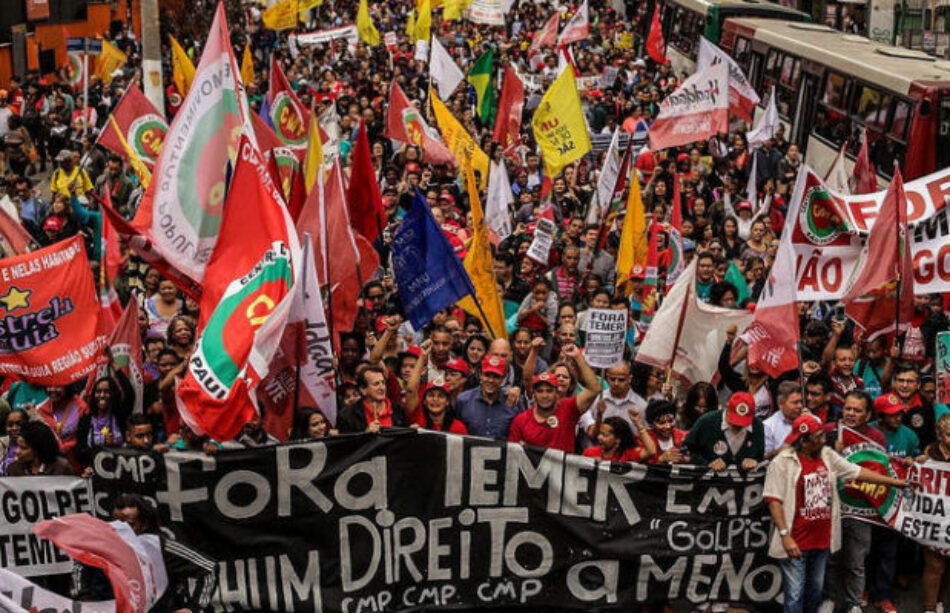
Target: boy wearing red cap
{"x":733,"y":437}
{"x":552,"y":423}
{"x":800,"y":488}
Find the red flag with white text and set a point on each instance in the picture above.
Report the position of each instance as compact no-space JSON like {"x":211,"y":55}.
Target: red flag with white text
{"x":656,"y":45}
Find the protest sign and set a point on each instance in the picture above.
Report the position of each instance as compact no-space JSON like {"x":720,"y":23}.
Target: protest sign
{"x":18,"y":594}
{"x":26,"y":501}
{"x":862,"y":501}
{"x":417,"y":519}
{"x":920,"y":512}
{"x":606,"y":337}
{"x":324,"y":36}
{"x":540,"y":248}
{"x":50,"y":315}
{"x":942,"y":366}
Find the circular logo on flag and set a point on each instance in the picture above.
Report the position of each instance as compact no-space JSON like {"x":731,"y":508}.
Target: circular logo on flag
{"x":818,"y":220}
{"x":719,"y":448}
{"x":146,"y":135}
{"x":74,"y":69}
{"x":288,"y":120}
{"x":879,"y":500}
{"x":201,"y":173}
{"x":174,"y":99}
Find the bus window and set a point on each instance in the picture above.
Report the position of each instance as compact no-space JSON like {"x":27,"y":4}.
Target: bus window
{"x":785,"y":73}
{"x":742,"y":53}
{"x":831,"y":119}
{"x":871,"y":107}
{"x":943,"y":134}
{"x":887,"y":140}
{"x":686,"y":29}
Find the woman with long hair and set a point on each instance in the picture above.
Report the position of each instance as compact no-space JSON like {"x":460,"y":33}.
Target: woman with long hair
{"x":701,"y":398}
{"x":437,"y":414}
{"x":311,"y":424}
{"x":103,"y":425}
{"x":617,"y":443}
{"x":8,"y":442}
{"x":181,"y":335}
{"x":38,"y":453}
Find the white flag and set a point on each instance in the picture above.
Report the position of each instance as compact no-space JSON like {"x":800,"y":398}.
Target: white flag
{"x":837,"y":177}
{"x":766,"y":127}
{"x":742,"y":96}
{"x":702,"y":331}
{"x":444,"y":70}
{"x":500,"y":198}
{"x":578,"y":28}
{"x":19,"y":595}
{"x":610,"y":170}
{"x":316,"y":374}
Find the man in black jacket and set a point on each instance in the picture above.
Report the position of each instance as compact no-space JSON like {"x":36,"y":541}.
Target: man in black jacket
{"x":376,"y":411}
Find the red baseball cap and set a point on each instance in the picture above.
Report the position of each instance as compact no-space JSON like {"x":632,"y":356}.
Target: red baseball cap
{"x":435,"y":386}
{"x":54,"y":223}
{"x":888,"y":404}
{"x":414,"y":350}
{"x":638,"y":272}
{"x":545,"y":378}
{"x":458,"y":365}
{"x":740,"y":411}
{"x":804,"y":424}
{"x":492,"y":364}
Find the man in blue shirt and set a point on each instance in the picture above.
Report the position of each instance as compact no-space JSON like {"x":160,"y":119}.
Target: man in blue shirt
{"x":484,"y":410}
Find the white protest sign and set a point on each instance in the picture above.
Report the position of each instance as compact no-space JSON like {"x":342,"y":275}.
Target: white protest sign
{"x":18,"y":594}
{"x":606,"y":336}
{"x":540,"y":247}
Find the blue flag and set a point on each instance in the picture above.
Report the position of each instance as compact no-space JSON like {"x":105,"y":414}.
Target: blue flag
{"x":429,"y":274}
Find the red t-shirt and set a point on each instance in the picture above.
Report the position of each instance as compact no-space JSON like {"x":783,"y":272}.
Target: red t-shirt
{"x":385,"y":416}
{"x":556,"y":432}
{"x":634,"y":454}
{"x":811,"y":527}
{"x":457,"y":427}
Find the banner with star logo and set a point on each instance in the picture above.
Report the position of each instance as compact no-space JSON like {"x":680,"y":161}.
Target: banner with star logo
{"x":48,"y":315}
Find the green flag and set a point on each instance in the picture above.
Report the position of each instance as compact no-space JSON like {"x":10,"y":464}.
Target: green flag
{"x":480,"y":76}
{"x":734,"y":276}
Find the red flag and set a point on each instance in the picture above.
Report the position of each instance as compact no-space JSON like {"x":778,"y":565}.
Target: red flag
{"x":656,"y":46}
{"x":110,"y":264}
{"x":142,"y":246}
{"x":266,"y":139}
{"x":405,"y":123}
{"x":695,"y":111}
{"x":367,"y":214}
{"x":510,"y":106}
{"x":545,"y":37}
{"x":14,"y":239}
{"x":125,"y":351}
{"x":143,"y":126}
{"x":863,"y":177}
{"x":132,"y":562}
{"x":50,"y":315}
{"x":882,"y":292}
{"x":245,"y":304}
{"x":288,"y":116}
{"x":676,"y":236}
{"x":298,"y":193}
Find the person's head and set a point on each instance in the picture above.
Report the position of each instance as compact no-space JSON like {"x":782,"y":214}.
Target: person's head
{"x":521,"y":343}
{"x":570,"y":257}
{"x":876,"y":348}
{"x":705,"y":267}
{"x":943,"y":430}
{"x":492,"y":374}
{"x":889,"y":411}
{"x":740,"y":410}
{"x":436,"y":399}
{"x":138,"y":432}
{"x":844,"y":360}
{"x":501,"y":348}
{"x":153,"y":345}
{"x":540,"y":290}
{"x":105,"y":396}
{"x":618,"y":379}
{"x":456,"y":374}
{"x":661,"y":415}
{"x":544,"y":388}
{"x":928,"y":389}
{"x":167,"y":291}
{"x":818,"y":388}
{"x":615,"y":435}
{"x":816,"y":335}
{"x":181,"y":331}
{"x":906,"y":382}
{"x":350,"y":394}
{"x":372,"y":382}
{"x":807,"y":435}
{"x":857,"y":409}
{"x":565,"y":378}
{"x":475,"y":349}
{"x":566,"y":314}
{"x":351,"y":349}
{"x":789,"y":399}
{"x":166,"y":360}
{"x":56,"y":394}
{"x":599,"y":299}
{"x":15,"y":421}
{"x":441,"y":345}
{"x":36,"y":444}
{"x":136,"y":511}
{"x":724,"y":294}
{"x":504,"y":266}
{"x":701,"y":398}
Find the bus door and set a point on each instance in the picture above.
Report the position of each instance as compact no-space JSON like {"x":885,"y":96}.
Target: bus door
{"x":943,"y":133}
{"x":805,"y":109}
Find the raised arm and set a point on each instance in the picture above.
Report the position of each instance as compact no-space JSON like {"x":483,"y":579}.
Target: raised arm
{"x":587,"y":378}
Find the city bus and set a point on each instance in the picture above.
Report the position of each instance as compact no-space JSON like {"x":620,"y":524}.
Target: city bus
{"x":830,"y":86}
{"x":684,"y":21}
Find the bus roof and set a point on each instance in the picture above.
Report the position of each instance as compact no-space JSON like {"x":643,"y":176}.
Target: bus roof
{"x":895,"y":68}
{"x":743,"y":6}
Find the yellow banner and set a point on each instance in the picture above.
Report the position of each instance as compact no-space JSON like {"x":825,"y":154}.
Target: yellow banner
{"x":466,"y":151}
{"x":107,"y":62}
{"x":364,"y":24}
{"x":183,"y":71}
{"x":281,"y":16}
{"x":559,"y":126}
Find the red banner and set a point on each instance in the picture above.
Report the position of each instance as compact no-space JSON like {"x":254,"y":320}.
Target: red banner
{"x":48,"y":315}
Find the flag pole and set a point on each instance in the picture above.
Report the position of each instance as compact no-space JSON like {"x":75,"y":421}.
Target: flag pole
{"x":478,"y":305}
{"x":900,"y":245}
{"x":679,"y":332}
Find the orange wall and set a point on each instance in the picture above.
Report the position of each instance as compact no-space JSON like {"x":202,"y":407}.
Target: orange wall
{"x":51,"y":36}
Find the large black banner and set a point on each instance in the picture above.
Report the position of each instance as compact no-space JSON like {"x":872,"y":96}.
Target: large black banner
{"x":408,"y":519}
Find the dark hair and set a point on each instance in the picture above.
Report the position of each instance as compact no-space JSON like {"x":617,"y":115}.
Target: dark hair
{"x":136,"y":419}
{"x":657,"y":408}
{"x":700,"y":390}
{"x":622,"y":431}
{"x":864,"y":396}
{"x":477,"y":338}
{"x":302,"y":423}
{"x":368,"y":369}
{"x":170,"y":352}
{"x":719,"y":290}
{"x":705,"y":254}
{"x":115,"y":404}
{"x":820,"y":378}
{"x":148,"y":515}
{"x":41,"y":439}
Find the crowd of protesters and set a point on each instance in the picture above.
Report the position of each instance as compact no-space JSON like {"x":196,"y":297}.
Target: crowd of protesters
{"x":535,"y":388}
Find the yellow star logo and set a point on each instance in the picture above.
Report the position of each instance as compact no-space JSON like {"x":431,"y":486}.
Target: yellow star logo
{"x":16,"y":299}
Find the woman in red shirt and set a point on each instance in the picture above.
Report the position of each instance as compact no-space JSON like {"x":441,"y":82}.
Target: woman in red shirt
{"x":668,"y":439}
{"x":618,"y":443}
{"x":436,"y":414}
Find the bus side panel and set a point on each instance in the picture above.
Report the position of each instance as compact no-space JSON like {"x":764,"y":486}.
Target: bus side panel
{"x":922,"y":141}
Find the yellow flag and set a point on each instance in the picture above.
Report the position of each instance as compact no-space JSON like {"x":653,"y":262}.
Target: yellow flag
{"x":633,"y":238}
{"x":451,"y":10}
{"x":183,"y":71}
{"x":411,"y":27}
{"x":559,"y":126}
{"x":107,"y":62}
{"x":138,"y":166}
{"x":247,"y":66}
{"x":313,"y":164}
{"x":364,"y":24}
{"x":423,"y":26}
{"x":281,"y":16}
{"x":466,"y":151}
{"x":480,"y":267}
{"x":305,"y":6}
